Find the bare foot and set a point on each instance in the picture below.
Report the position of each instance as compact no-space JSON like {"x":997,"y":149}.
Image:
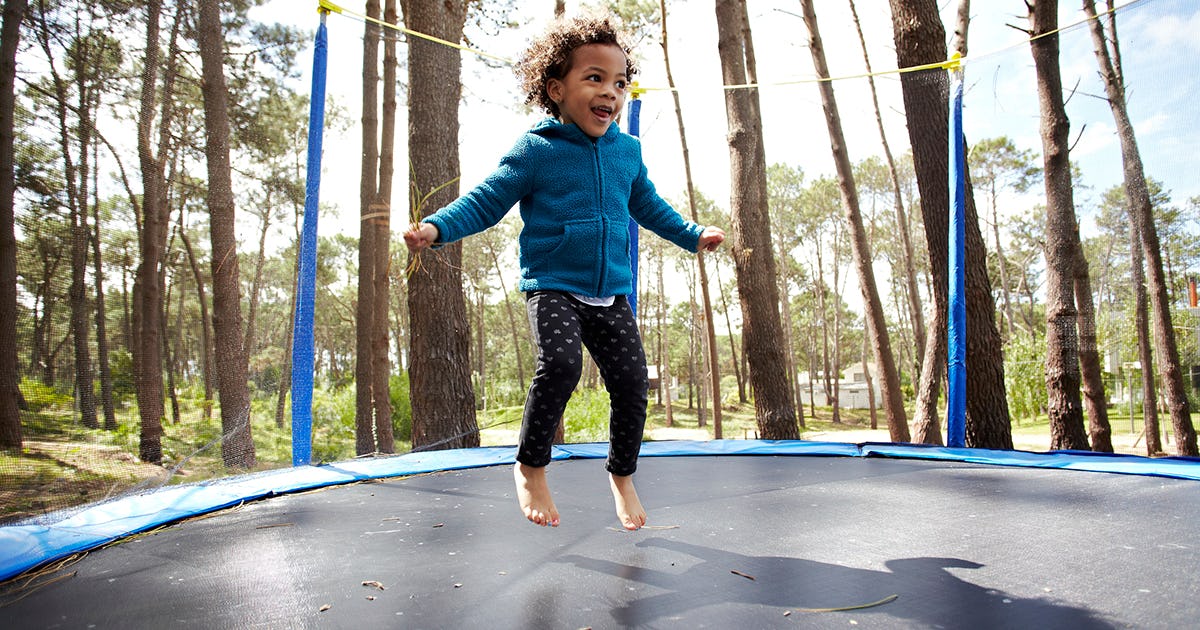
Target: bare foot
{"x":629,"y":507}
{"x":534,"y":495}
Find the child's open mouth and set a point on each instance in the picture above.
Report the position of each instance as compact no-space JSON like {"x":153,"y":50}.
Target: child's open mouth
{"x":603,"y":113}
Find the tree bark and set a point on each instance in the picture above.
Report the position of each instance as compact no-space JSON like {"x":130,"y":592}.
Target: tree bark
{"x":76,"y":206}
{"x":893,"y":401}
{"x":364,"y":366}
{"x":147,"y":298}
{"x":106,"y":385}
{"x":237,"y":446}
{"x":920,"y":39}
{"x":737,"y":369}
{"x":664,"y":346}
{"x":751,"y":232}
{"x":1142,"y":218}
{"x":443,"y":401}
{"x":381,"y":362}
{"x":10,"y":417}
{"x":1141,"y":322}
{"x":1095,"y":402}
{"x":1062,"y":341}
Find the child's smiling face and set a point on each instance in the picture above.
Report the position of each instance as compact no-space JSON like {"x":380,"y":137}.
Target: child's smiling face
{"x":592,"y":92}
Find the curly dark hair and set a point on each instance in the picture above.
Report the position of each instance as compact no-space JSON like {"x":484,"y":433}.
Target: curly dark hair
{"x":549,"y":56}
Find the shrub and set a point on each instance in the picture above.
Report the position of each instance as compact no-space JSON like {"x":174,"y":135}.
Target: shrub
{"x":587,"y":416}
{"x":40,"y":396}
{"x":401,"y":408}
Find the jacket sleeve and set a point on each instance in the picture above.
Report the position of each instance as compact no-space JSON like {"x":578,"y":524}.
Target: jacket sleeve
{"x":654,"y":213}
{"x":487,"y":203}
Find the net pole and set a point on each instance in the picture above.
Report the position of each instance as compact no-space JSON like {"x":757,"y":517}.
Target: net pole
{"x":956,"y":329}
{"x":635,"y":130}
{"x":302,"y":339}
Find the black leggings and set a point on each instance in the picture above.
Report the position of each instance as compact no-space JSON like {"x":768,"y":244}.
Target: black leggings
{"x":562,"y":326}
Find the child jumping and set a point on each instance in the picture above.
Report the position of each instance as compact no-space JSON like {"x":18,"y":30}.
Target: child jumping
{"x":578,"y":180}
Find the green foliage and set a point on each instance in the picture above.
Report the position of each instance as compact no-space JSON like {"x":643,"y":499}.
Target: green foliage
{"x":587,"y":416}
{"x":1024,"y":376}
{"x":401,"y":407}
{"x":333,"y":424}
{"x":120,"y":364}
{"x":40,"y":396}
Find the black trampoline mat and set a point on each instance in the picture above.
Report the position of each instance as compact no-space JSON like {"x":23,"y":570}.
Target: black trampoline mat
{"x":746,"y":542}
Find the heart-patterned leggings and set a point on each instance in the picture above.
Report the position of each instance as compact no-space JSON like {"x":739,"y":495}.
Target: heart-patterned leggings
{"x":562,"y":326}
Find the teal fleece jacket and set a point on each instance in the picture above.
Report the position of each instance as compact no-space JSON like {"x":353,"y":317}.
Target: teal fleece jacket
{"x":576,"y":195}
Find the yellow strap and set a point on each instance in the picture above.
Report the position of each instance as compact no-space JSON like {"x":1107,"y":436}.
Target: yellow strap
{"x":326,"y":4}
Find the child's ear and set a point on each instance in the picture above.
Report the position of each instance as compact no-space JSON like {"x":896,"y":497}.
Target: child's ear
{"x":554,"y":88}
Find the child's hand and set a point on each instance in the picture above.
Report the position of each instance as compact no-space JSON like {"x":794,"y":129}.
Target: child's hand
{"x":710,"y":239}
{"x":420,"y":235}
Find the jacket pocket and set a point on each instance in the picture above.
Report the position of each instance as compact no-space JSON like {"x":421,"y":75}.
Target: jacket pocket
{"x":578,"y":255}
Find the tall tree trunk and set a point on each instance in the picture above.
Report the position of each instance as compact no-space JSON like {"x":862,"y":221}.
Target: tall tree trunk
{"x":260,"y":261}
{"x":10,"y":417}
{"x":893,"y":401}
{"x":380,"y":361}
{"x":664,"y":345}
{"x":285,"y":371}
{"x":751,"y":233}
{"x":1141,"y":322}
{"x":834,"y":374}
{"x":710,"y":325}
{"x":737,"y":364}
{"x":1062,"y":342}
{"x":866,"y":354}
{"x":77,"y":207}
{"x":920,"y":39}
{"x":1001,"y":263}
{"x":1095,"y":402}
{"x":443,"y":403}
{"x":171,"y":365}
{"x":106,"y":385}
{"x":364,"y":367}
{"x":147,"y":298}
{"x":927,"y":426}
{"x":962,"y":21}
{"x":915,"y":313}
{"x":1142,"y":216}
{"x":237,"y":446}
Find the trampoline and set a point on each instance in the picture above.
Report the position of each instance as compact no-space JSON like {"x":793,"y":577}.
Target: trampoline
{"x":743,"y":534}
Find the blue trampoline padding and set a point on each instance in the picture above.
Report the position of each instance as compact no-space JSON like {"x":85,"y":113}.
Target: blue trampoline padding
{"x":23,"y":547}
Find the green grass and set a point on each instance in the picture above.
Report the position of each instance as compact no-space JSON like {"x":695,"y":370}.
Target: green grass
{"x":64,"y":464}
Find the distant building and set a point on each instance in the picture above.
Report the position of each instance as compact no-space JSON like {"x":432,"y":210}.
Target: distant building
{"x":852,"y":388}
{"x":672,"y":385}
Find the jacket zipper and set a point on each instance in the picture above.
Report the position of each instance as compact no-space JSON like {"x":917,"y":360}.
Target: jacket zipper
{"x":600,"y":279}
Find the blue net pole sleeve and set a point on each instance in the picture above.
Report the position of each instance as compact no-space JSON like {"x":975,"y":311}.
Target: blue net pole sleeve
{"x":302,"y":340}
{"x":635,"y":129}
{"x":956,"y":347}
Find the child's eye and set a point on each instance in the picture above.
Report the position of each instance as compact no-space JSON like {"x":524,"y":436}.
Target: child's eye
{"x":592,"y":77}
{"x":621,"y":85}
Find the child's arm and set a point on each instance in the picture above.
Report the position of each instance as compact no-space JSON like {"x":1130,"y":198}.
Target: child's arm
{"x":420,"y":235}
